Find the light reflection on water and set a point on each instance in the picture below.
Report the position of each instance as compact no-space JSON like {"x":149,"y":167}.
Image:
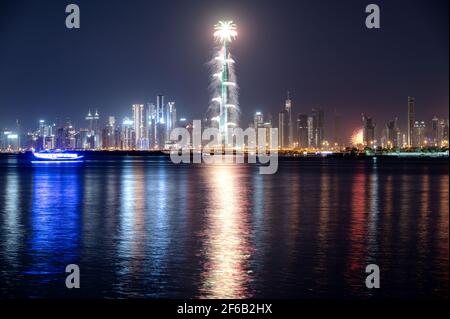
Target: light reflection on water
{"x":148,"y":228}
{"x":226,"y":250}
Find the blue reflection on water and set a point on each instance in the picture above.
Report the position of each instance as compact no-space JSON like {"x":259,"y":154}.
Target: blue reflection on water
{"x":55,"y":221}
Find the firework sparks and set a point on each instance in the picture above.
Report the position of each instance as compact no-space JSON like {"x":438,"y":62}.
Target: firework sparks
{"x":225,"y":31}
{"x":357,"y":137}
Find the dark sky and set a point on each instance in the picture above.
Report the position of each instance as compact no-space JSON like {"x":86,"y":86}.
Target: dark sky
{"x":130,"y":51}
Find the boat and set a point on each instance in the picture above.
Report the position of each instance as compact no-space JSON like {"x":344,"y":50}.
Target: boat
{"x":56,"y":156}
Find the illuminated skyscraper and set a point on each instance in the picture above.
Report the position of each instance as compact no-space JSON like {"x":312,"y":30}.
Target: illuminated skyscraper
{"x":411,"y":120}
{"x":319,"y":129}
{"x":127,"y":134}
{"x":258,"y":121}
{"x":224,"y":108}
{"x":140,"y":119}
{"x":160,"y":108}
{"x":311,"y":131}
{"x":171,"y":119}
{"x":435,"y":131}
{"x":94,"y":140}
{"x":393,"y":137}
{"x":290,"y":127}
{"x":419,"y":134}
{"x":283,"y":129}
{"x":302,"y":130}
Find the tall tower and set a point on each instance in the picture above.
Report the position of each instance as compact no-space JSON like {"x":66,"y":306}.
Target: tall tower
{"x":226,"y":92}
{"x":283,"y":129}
{"x":368,"y":131}
{"x":89,"y":117}
{"x":411,"y":120}
{"x":140,"y":119}
{"x":171,"y":118}
{"x":290,"y":128}
{"x":302,"y":130}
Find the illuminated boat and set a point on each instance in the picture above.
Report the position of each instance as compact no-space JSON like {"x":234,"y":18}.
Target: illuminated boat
{"x":56,"y":157}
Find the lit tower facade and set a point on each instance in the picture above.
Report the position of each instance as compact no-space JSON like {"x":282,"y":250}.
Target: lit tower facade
{"x":411,"y":121}
{"x":140,"y":120}
{"x":224,"y":77}
{"x":290,"y":129}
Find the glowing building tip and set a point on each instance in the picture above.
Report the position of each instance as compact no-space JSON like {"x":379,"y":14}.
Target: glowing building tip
{"x":225,"y":31}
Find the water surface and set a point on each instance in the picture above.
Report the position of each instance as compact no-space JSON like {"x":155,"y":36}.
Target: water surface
{"x":144,"y":227}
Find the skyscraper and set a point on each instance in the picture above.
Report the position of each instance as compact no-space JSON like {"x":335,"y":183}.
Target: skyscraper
{"x":411,"y":120}
{"x":302,"y":130}
{"x":140,"y":119}
{"x":94,"y":140}
{"x":319,"y":130}
{"x":283,"y":129}
{"x":127,"y":134}
{"x":392,"y":134}
{"x":337,"y":134}
{"x":290,"y":128}
{"x":435,"y":131}
{"x":419,"y":134}
{"x":224,"y":83}
{"x":160,"y":108}
{"x":368,"y":131}
{"x":258,"y":121}
{"x":171,"y":119}
{"x":443,"y":132}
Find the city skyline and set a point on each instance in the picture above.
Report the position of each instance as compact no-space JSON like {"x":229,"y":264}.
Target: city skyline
{"x":309,"y":67}
{"x":148,"y":127}
{"x":226,"y":155}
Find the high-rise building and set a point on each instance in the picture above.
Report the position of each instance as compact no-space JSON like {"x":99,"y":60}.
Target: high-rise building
{"x":160,"y":108}
{"x":434,"y":138}
{"x":268,"y":127}
{"x":318,"y":126}
{"x":225,"y":93}
{"x":419,"y":134}
{"x":290,"y":128}
{"x":127,"y":134}
{"x":443,"y":132}
{"x":109,"y":134}
{"x":140,"y":120}
{"x":411,"y":120}
{"x":94,"y":135}
{"x":337,"y":134}
{"x":392,"y":135}
{"x":311,"y":131}
{"x":283,"y":129}
{"x":258,"y":121}
{"x":368,"y":131}
{"x":171,"y":119}
{"x":302,"y":130}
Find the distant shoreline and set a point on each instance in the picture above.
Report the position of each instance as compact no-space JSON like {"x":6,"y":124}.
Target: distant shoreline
{"x":95,"y":154}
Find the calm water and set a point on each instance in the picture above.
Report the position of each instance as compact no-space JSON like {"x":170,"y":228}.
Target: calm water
{"x":147,"y":228}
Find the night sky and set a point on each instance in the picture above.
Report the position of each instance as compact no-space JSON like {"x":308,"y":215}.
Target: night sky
{"x":129,"y":51}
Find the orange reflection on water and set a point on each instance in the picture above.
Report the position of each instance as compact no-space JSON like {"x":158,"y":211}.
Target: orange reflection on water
{"x":443,"y":233}
{"x":357,"y":231}
{"x":226,"y":237}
